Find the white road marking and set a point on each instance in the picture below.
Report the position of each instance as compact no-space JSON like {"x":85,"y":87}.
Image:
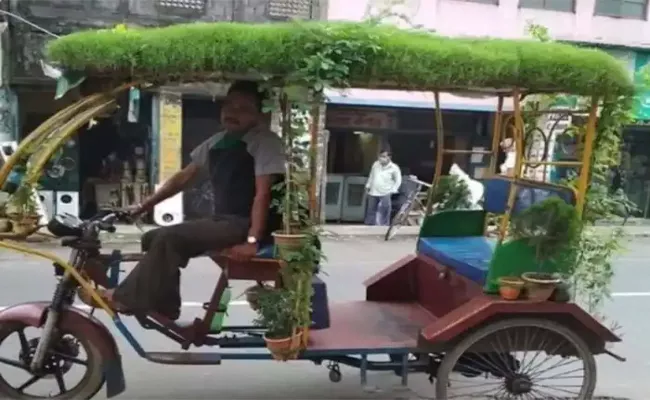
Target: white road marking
{"x":631,"y":294}
{"x":237,"y":303}
{"x":186,"y":304}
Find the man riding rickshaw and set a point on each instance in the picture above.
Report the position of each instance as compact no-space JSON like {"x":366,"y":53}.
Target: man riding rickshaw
{"x":466,"y":309}
{"x":244,"y":161}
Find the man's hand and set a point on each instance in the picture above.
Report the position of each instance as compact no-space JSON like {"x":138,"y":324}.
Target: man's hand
{"x":135,"y":210}
{"x":243,"y":252}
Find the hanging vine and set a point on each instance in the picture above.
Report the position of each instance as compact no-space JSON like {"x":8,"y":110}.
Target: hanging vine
{"x":592,"y":257}
{"x":330,"y":61}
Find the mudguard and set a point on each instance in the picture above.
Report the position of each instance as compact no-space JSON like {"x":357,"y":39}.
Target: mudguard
{"x":33,"y":314}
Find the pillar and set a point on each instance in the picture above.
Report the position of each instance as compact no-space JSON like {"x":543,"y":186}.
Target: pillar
{"x":8,"y":99}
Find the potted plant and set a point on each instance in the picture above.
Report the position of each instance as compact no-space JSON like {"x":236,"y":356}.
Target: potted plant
{"x":5,"y":224}
{"x":295,"y":188}
{"x":296,"y":242}
{"x":252,"y":294}
{"x":22,"y":210}
{"x":451,"y":193}
{"x":276,"y":314}
{"x":510,"y":287}
{"x":552,"y":227}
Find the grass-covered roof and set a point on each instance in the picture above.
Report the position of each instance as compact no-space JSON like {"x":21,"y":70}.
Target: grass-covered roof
{"x":402,"y":59}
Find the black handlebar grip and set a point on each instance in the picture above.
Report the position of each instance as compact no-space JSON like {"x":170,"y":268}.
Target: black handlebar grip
{"x":106,"y":226}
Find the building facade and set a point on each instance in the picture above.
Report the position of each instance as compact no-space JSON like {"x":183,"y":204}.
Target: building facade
{"x":620,"y":27}
{"x":122,"y":146}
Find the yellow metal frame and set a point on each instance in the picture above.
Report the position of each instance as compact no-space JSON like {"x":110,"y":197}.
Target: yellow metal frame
{"x":520,"y":161}
{"x":38,"y":147}
{"x":69,"y":270}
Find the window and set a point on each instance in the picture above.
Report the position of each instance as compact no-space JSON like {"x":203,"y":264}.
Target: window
{"x":495,"y":2}
{"x":634,"y":9}
{"x":552,"y":5}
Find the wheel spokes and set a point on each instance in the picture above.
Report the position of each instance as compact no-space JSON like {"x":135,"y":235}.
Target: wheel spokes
{"x":53,"y":379}
{"x":58,"y":375}
{"x":13,"y":363}
{"x":24,"y":343}
{"x":527,"y":362}
{"x":28,"y":383}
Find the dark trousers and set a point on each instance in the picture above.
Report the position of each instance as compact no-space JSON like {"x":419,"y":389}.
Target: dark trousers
{"x":154,"y":283}
{"x":378,"y":210}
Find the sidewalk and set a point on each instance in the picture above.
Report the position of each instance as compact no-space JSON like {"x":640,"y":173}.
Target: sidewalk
{"x":131,"y":234}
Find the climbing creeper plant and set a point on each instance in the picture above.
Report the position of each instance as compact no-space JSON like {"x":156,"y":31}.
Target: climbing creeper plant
{"x":592,"y":257}
{"x":331,"y":59}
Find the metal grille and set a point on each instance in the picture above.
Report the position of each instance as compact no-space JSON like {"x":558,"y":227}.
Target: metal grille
{"x":190,"y":5}
{"x":290,"y":8}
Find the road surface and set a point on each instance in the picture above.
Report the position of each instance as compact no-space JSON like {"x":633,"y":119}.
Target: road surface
{"x":350,"y":261}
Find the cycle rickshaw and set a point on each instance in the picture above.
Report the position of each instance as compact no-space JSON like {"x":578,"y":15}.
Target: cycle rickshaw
{"x":436,"y":311}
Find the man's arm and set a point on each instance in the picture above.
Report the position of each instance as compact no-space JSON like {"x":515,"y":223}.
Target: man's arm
{"x":398,"y":179}
{"x":269,"y":156}
{"x":172,"y":186}
{"x":180,"y":180}
{"x":261,"y":205}
{"x":372,"y":173}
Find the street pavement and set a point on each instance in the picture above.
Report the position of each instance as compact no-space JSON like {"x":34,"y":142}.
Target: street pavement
{"x":350,"y":261}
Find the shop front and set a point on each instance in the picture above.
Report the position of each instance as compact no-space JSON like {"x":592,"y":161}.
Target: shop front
{"x":633,"y":174}
{"x":104,"y":166}
{"x":360,"y":127}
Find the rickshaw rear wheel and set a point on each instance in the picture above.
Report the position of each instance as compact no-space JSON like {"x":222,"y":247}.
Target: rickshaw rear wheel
{"x":56,"y":364}
{"x":518,"y":376}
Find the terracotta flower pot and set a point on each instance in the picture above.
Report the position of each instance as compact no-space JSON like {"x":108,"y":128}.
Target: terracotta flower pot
{"x":563,"y":290}
{"x":5,"y":225}
{"x":286,"y":243}
{"x":284,"y":349}
{"x":510,"y":287}
{"x":539,"y":286}
{"x":24,"y":224}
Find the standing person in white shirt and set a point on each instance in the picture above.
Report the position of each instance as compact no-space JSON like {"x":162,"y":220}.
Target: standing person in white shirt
{"x":384,"y":180}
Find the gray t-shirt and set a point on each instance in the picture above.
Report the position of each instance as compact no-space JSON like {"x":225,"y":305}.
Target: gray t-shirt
{"x":264,"y":145}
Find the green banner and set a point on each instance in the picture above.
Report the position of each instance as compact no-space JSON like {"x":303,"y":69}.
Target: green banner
{"x":642,"y":79}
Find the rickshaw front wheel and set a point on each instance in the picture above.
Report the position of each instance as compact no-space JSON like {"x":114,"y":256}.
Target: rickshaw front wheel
{"x":64,"y":356}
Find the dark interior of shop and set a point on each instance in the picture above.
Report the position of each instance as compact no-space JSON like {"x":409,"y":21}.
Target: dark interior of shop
{"x":94,"y":162}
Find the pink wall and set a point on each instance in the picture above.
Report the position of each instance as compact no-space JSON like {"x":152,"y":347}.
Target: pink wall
{"x":464,"y":18}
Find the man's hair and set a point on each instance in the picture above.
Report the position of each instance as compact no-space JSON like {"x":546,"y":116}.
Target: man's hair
{"x":387,"y":152}
{"x":250,"y":88}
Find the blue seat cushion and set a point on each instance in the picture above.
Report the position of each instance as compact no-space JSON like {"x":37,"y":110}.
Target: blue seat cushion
{"x":468,"y":256}
{"x":529,"y":193}
{"x":266,"y":251}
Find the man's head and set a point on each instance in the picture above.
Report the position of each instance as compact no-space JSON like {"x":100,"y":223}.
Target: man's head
{"x":384,"y":157}
{"x":242,"y":109}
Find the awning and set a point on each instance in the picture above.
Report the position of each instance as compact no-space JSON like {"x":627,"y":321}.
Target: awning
{"x":401,"y":99}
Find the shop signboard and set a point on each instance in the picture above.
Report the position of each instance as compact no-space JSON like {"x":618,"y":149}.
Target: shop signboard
{"x":171,"y":125}
{"x":361,"y":118}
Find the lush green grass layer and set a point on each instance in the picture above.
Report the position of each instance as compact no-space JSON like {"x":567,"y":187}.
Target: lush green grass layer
{"x":405,"y":60}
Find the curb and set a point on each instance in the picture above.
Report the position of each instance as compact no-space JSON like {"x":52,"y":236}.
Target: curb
{"x":134,"y":238}
{"x":128,"y":238}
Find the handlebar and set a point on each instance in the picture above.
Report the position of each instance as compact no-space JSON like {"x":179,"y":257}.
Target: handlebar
{"x":107,"y":222}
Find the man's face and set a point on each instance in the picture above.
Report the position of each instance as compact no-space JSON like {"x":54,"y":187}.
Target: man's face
{"x":240,"y":112}
{"x":384,"y":158}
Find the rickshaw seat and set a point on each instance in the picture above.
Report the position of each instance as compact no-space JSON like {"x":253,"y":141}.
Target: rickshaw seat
{"x":497,"y":189}
{"x":468,"y":256}
{"x":471,"y":255}
{"x":267,"y":251}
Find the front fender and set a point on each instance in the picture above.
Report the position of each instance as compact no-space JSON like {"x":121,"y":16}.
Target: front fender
{"x":33,"y":314}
